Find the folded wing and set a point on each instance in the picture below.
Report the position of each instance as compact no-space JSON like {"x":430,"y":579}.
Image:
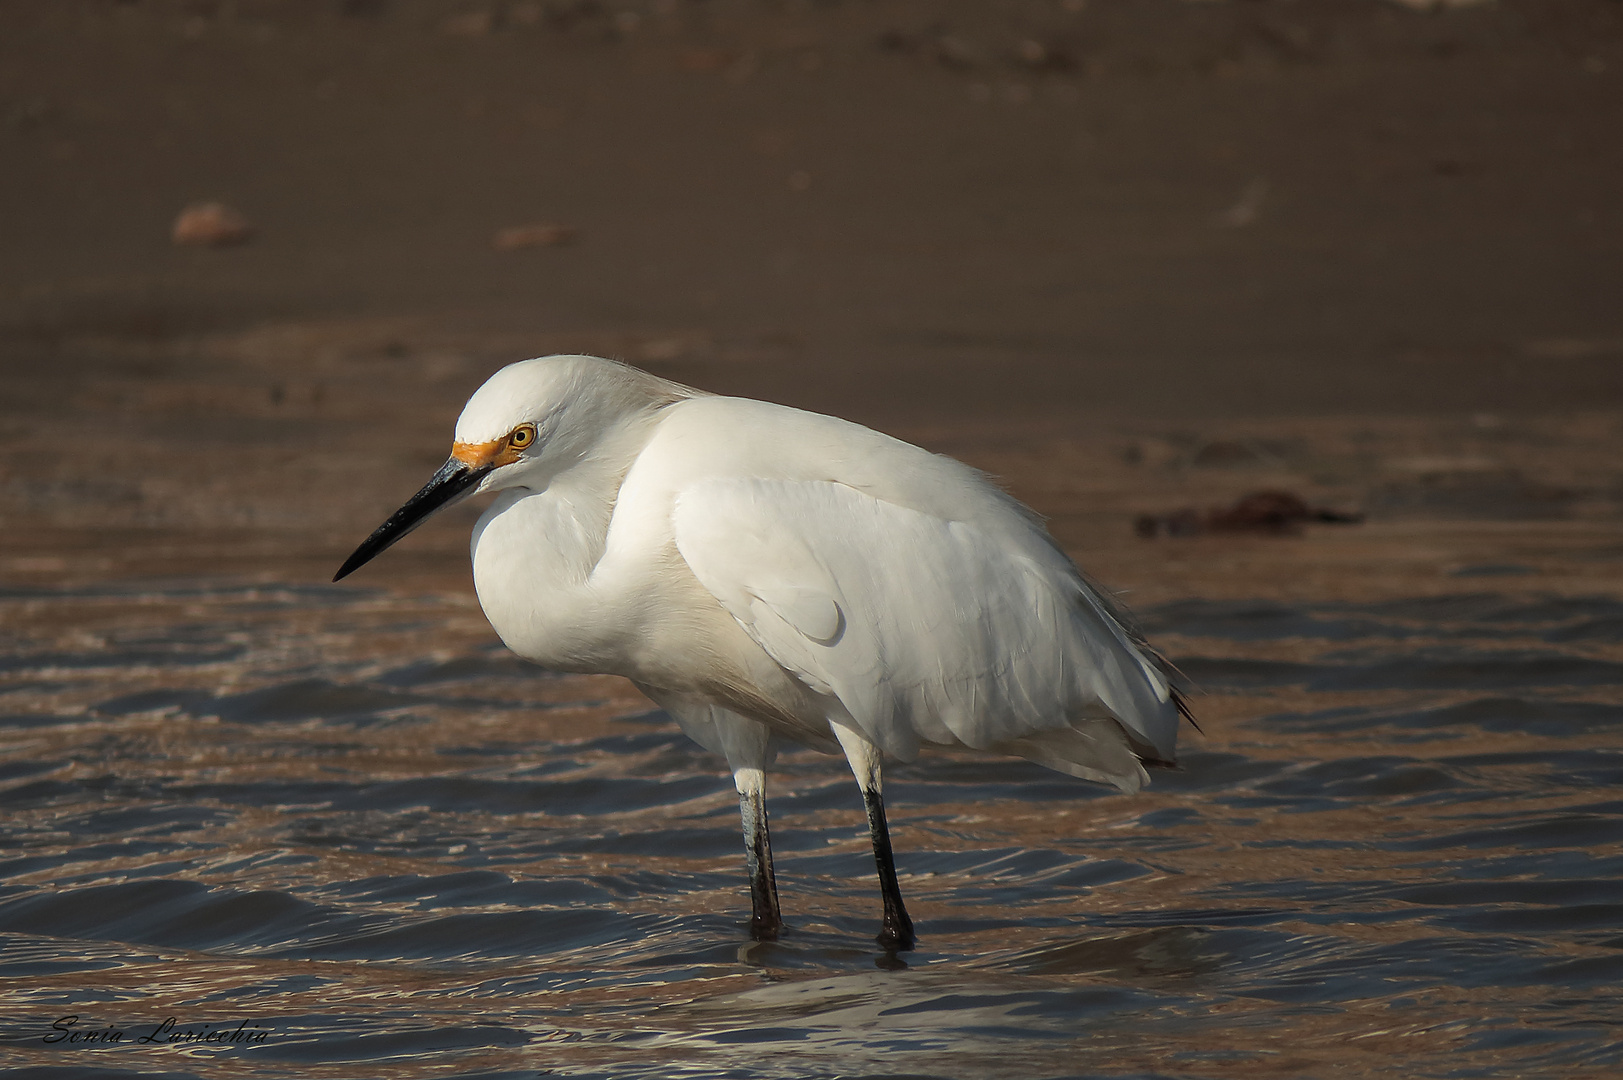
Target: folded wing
{"x":930,"y":629}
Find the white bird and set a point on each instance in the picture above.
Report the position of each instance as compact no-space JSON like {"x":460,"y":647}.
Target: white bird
{"x":767,"y":574}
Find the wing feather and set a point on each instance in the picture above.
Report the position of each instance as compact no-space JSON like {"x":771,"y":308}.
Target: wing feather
{"x":924,"y":628}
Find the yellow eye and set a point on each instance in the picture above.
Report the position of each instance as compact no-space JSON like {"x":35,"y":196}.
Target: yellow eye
{"x":521,"y":437}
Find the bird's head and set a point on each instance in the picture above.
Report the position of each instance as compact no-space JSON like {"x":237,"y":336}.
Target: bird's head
{"x":530,"y":421}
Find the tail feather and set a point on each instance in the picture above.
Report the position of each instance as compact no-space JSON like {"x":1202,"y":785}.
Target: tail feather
{"x":1094,"y":749}
{"x":1182,"y":701}
{"x":1179,"y":683}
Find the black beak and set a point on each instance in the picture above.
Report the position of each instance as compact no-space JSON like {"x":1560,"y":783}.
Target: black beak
{"x":453,"y":483}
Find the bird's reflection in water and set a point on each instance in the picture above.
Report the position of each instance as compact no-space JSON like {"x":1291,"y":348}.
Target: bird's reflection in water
{"x":1161,"y":952}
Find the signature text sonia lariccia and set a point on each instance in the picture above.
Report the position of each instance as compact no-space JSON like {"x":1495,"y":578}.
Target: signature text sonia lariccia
{"x":68,"y":1030}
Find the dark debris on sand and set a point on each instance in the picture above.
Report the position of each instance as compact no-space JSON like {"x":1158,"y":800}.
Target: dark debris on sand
{"x":1268,"y":512}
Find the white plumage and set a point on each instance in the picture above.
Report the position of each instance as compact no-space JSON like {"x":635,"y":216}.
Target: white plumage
{"x":765,"y":573}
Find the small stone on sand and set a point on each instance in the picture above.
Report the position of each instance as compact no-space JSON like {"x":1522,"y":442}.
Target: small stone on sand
{"x":471,"y":24}
{"x":210,"y":225}
{"x":515,"y":237}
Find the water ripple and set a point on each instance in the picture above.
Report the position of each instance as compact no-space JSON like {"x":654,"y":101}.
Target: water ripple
{"x":350,"y":820}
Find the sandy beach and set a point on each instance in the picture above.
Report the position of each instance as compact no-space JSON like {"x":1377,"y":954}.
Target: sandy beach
{"x":1050,"y":238}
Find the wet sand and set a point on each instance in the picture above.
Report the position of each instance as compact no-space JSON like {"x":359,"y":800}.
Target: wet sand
{"x":1044,"y":239}
{"x":896,"y":210}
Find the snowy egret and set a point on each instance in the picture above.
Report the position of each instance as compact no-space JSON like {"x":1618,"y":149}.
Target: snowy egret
{"x":764,"y":574}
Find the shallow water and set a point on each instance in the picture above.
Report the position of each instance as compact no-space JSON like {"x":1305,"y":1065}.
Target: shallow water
{"x":348,"y":820}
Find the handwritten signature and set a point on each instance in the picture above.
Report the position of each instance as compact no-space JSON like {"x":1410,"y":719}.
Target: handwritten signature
{"x":66,"y":1030}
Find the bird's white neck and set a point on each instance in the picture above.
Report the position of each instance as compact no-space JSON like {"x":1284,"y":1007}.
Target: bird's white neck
{"x":534,"y":551}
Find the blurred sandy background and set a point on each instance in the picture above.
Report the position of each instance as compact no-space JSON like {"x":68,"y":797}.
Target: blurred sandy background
{"x":1130,"y":255}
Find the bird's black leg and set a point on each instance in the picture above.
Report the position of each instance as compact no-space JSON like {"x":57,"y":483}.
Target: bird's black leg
{"x":765,"y":919}
{"x":866,"y":765}
{"x":897,"y":929}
